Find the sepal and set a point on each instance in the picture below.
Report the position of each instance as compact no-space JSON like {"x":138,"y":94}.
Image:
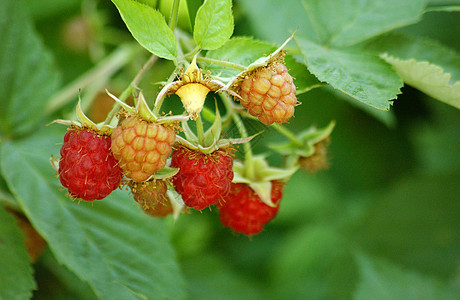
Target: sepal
{"x":259,"y":176}
{"x":260,"y":62}
{"x":307,"y":140}
{"x":85,"y":122}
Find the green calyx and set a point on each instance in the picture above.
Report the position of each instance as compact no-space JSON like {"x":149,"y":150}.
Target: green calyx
{"x":260,"y":62}
{"x":304,"y":146}
{"x":210,"y":140}
{"x":143,"y":111}
{"x":85,"y":122}
{"x":259,"y":176}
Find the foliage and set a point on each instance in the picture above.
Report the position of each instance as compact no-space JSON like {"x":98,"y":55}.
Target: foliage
{"x":382,"y":222}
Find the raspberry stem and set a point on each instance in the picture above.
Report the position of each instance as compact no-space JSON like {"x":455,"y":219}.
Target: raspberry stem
{"x":278,"y":127}
{"x":287,"y":133}
{"x":244,"y":134}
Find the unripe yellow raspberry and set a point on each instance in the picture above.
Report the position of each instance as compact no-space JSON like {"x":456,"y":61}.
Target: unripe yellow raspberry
{"x":141,"y":147}
{"x":269,"y":94}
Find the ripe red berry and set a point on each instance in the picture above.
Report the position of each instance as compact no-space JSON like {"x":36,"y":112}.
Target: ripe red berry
{"x":243,"y":211}
{"x":151,"y":195}
{"x":203,"y":179}
{"x":87,"y":167}
{"x":141,"y":147}
{"x":269,"y":94}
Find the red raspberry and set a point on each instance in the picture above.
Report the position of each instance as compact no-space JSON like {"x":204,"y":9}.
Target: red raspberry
{"x":87,"y":167}
{"x":203,"y":179}
{"x":269,"y":94}
{"x":243,"y":211}
{"x":141,"y":147}
{"x":151,"y":195}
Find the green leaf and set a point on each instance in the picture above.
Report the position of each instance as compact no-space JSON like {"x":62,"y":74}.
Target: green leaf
{"x":452,"y":8}
{"x":285,"y":16}
{"x":382,"y":280}
{"x":429,"y":78}
{"x":387,"y":117}
{"x":345,"y":23}
{"x":231,"y":52}
{"x":148,"y":27}
{"x":421,"y":49}
{"x":121,"y":252}
{"x":423,"y":64}
{"x":365,"y":77}
{"x":27,"y":74}
{"x":70,"y":282}
{"x":192,"y":7}
{"x":210,"y":277}
{"x":313,"y":261}
{"x":16,"y":274}
{"x":213,"y":24}
{"x":303,"y":79}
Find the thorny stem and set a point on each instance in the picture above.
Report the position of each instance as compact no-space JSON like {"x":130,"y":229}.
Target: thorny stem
{"x":125,"y":94}
{"x":103,"y":70}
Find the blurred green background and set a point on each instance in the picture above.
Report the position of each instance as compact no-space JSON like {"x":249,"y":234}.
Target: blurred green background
{"x":382,"y":223}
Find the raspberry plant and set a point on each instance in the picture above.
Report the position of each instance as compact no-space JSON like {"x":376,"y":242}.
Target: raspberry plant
{"x":211,"y":117}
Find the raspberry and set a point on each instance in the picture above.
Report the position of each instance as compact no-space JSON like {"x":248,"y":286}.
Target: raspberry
{"x":203,"y":179}
{"x":243,"y":211}
{"x":269,"y":94}
{"x":151,"y":195}
{"x":87,"y":167}
{"x":141,"y":147}
{"x":318,"y":161}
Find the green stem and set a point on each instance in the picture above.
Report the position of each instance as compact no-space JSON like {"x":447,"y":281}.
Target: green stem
{"x":287,"y":133}
{"x":200,"y":130}
{"x":125,"y":94}
{"x":221,"y":63}
{"x":244,"y":134}
{"x":174,"y":13}
{"x":105,"y":69}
